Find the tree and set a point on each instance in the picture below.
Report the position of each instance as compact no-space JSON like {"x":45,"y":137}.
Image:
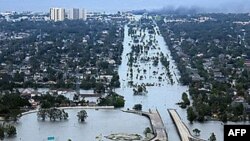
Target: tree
{"x":82,"y":115}
{"x":223,"y":117}
{"x":99,"y":88}
{"x":238,"y":110}
{"x":137,"y":107}
{"x":10,"y":130}
{"x":115,"y":81}
{"x":190,"y":114}
{"x":19,"y":77}
{"x":112,"y":99}
{"x":155,"y":63}
{"x":52,"y":114}
{"x":42,"y":114}
{"x":197,"y":132}
{"x":140,"y":89}
{"x":10,"y":106}
{"x":1,"y":132}
{"x":147,"y":130}
{"x":185,"y":99}
{"x":65,"y":115}
{"x":212,"y":137}
{"x":119,"y":101}
{"x":15,"y":114}
{"x":48,"y":101}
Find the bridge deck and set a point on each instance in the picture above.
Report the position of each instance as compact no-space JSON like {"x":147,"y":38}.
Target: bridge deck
{"x":183,"y":131}
{"x":158,"y":126}
{"x":156,"y":123}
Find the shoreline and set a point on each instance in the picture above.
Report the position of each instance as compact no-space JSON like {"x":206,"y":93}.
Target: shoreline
{"x":76,"y":107}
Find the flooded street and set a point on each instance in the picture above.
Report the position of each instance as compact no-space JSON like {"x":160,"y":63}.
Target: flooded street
{"x":161,"y":95}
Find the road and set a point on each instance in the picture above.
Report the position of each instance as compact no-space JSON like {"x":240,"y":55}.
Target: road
{"x":183,"y":131}
{"x":157,"y":124}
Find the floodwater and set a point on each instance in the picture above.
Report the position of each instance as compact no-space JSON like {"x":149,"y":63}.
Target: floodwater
{"x":164,"y":96}
{"x":98,"y":124}
{"x":105,"y":122}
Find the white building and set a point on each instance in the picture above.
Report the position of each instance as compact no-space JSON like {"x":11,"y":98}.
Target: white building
{"x":74,"y":14}
{"x":83,"y":14}
{"x":57,"y":14}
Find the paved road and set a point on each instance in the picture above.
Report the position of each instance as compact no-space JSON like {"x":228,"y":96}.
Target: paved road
{"x":158,"y":126}
{"x":156,"y":123}
{"x":181,"y":127}
{"x":183,"y":131}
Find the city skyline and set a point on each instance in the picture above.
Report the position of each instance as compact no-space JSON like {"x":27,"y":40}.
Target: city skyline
{"x":60,"y":14}
{"x":57,"y":14}
{"x":125,"y":5}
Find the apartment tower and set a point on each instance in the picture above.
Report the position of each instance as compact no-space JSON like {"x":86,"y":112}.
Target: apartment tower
{"x":57,"y":14}
{"x":73,"y":14}
{"x":83,"y":14}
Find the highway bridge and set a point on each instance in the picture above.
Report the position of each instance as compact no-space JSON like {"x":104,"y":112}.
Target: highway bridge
{"x":157,"y":124}
{"x":182,"y":129}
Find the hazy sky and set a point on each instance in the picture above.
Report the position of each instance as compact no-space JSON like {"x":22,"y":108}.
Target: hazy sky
{"x":115,"y":5}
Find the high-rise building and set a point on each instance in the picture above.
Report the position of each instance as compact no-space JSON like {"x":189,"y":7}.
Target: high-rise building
{"x":73,"y":14}
{"x":83,"y":14}
{"x":57,"y":14}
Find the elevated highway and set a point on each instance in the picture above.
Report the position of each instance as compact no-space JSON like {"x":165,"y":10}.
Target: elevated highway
{"x":182,"y":129}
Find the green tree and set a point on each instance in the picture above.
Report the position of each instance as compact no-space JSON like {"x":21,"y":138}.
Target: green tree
{"x":118,"y":101}
{"x":191,"y":114}
{"x":42,"y":113}
{"x":115,"y":81}
{"x":65,"y":115}
{"x":52,"y":114}
{"x":1,"y":132}
{"x":99,"y":88}
{"x":137,"y":107}
{"x":140,"y":89}
{"x":185,"y":99}
{"x":19,"y":77}
{"x":112,"y":99}
{"x":212,"y":137}
{"x":82,"y":115}
{"x":10,"y":130}
{"x":197,"y":132}
{"x":147,"y":130}
{"x":238,"y":110}
{"x":223,"y":117}
{"x":10,"y":105}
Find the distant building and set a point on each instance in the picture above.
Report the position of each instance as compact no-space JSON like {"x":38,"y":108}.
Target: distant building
{"x":83,"y":14}
{"x":74,"y":14}
{"x":57,"y":14}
